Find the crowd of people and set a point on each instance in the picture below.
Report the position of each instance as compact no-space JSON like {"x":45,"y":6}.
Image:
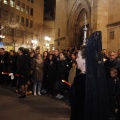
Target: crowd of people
{"x":43,"y":73}
{"x":40,"y":73}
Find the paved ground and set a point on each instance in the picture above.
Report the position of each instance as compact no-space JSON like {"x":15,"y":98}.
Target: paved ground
{"x":31,"y":108}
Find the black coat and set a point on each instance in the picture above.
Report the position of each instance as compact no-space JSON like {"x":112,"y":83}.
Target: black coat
{"x":12,"y":63}
{"x":62,"y":70}
{"x":50,"y":69}
{"x":4,"y":66}
{"x":23,"y":65}
{"x":77,"y":97}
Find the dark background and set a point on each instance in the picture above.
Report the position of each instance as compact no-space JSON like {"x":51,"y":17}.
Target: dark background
{"x":49,"y":9}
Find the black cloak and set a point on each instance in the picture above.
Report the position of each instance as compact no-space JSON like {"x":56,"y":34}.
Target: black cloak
{"x":96,"y":95}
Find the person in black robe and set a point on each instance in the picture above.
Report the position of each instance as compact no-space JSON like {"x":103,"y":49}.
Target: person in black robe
{"x":89,"y":95}
{"x":77,"y":90}
{"x":96,"y":94}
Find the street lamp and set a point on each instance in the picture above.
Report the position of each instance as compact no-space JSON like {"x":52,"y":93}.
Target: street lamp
{"x":34,"y":42}
{"x":47,"y":40}
{"x":2,"y":37}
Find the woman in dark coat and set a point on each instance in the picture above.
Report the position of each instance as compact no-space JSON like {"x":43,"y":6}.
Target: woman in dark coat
{"x":61,"y":74}
{"x":50,"y":74}
{"x":23,"y":69}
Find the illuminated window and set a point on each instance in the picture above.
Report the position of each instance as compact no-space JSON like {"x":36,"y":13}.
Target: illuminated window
{"x":12,"y":3}
{"x":22,"y":7}
{"x":18,"y":5}
{"x":5,"y":1}
{"x":27,"y":9}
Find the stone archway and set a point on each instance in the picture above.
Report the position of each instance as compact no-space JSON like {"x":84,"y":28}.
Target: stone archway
{"x":76,"y":22}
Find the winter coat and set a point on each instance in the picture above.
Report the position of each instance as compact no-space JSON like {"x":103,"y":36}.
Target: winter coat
{"x":50,"y":69}
{"x":4,"y":65}
{"x":12,"y":63}
{"x":23,"y":65}
{"x":62,"y":70}
{"x":37,"y":70}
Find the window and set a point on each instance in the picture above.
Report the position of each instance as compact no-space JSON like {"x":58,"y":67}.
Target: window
{"x":31,"y":11}
{"x":5,"y":15}
{"x":27,"y":23}
{"x":31,"y":24}
{"x":27,"y":9}
{"x":18,"y":5}
{"x":22,"y":7}
{"x":5,"y":1}
{"x":12,"y":3}
{"x":111,"y":37}
{"x":17,"y":18}
{"x":22,"y":21}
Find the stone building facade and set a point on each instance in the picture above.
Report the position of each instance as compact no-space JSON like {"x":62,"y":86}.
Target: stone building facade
{"x":102,"y":15}
{"x":22,"y":21}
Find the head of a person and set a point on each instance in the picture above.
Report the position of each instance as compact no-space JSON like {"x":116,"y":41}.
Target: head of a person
{"x":39,"y":56}
{"x":104,"y":51}
{"x":2,"y":50}
{"x":20,"y":50}
{"x":50,"y":57}
{"x":73,"y":56}
{"x":112,"y":55}
{"x":56,"y":52}
{"x":45,"y":54}
{"x":113,"y":72}
{"x":118,"y":52}
{"x":12,"y":52}
{"x":62,"y":56}
{"x":74,"y":63}
{"x":37,"y":51}
{"x":68,"y":53}
{"x":81,"y":59}
{"x":32,"y":54}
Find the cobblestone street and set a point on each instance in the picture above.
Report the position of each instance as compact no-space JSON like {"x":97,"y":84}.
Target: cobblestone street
{"x":31,"y":108}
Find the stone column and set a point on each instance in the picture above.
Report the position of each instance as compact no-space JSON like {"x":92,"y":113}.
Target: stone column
{"x":100,"y":19}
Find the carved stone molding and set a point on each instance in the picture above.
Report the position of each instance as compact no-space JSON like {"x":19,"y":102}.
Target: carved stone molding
{"x":75,"y":18}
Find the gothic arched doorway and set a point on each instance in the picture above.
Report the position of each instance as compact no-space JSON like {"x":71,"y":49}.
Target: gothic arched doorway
{"x":76,"y":23}
{"x":79,"y":29}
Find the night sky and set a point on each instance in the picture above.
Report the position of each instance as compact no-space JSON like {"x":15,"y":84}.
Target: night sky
{"x":49,"y":9}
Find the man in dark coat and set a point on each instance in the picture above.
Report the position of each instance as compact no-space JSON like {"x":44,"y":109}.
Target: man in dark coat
{"x":3,"y":65}
{"x":23,"y":67}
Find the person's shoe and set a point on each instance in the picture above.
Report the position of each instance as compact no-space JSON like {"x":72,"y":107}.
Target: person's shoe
{"x":23,"y":96}
{"x":57,"y":95}
{"x":60,"y":97}
{"x":35,"y":94}
{"x":39,"y":93}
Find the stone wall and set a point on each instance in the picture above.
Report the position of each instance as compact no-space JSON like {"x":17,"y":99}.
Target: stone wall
{"x":104,"y":17}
